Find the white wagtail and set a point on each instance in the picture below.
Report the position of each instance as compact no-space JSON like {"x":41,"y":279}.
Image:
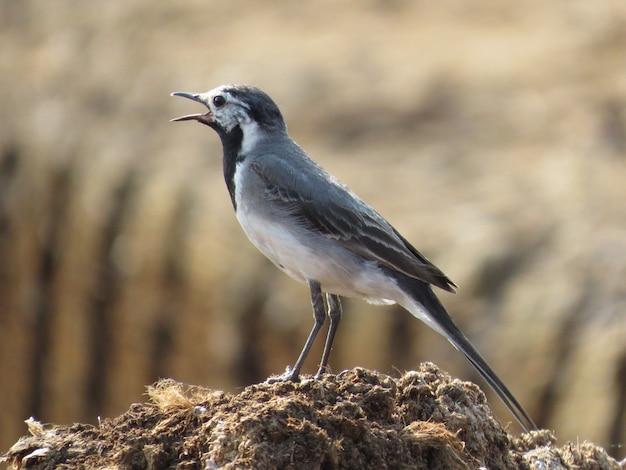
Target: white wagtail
{"x":318,"y":231}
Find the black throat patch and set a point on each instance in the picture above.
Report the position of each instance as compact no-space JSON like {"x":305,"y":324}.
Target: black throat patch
{"x":231,"y":142}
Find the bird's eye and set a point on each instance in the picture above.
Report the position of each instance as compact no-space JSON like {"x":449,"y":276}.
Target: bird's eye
{"x":219,"y":101}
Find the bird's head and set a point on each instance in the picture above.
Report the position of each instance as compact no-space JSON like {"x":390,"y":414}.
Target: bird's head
{"x":232,"y":106}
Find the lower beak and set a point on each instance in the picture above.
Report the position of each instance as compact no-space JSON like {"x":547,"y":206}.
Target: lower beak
{"x":206,"y":118}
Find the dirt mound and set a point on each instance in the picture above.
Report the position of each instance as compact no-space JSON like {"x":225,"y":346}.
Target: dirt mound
{"x":357,"y":419}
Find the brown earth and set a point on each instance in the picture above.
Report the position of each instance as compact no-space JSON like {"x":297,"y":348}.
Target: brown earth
{"x":355,"y":420}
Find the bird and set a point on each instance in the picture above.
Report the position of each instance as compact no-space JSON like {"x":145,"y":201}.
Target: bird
{"x":319,"y":232}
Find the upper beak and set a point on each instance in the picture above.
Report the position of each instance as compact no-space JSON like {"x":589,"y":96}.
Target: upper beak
{"x":206,"y":118}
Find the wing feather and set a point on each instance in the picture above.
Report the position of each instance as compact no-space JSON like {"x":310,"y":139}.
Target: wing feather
{"x":323,"y":204}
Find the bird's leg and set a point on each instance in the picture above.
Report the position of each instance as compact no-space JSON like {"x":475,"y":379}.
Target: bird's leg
{"x":334,"y":314}
{"x":319,"y":315}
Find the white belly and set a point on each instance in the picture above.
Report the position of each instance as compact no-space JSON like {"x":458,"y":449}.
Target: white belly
{"x":304,"y":255}
{"x":282,"y":247}
{"x":312,"y":257}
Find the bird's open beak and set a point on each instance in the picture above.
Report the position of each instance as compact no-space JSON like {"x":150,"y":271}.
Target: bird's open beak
{"x":206,"y":118}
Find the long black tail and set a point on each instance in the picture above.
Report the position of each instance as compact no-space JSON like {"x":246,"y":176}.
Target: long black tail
{"x":422,"y":293}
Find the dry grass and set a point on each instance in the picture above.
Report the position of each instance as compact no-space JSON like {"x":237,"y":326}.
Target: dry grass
{"x":361,"y":419}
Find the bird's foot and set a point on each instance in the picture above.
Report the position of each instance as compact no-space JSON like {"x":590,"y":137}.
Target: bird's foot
{"x":323,"y":370}
{"x":290,"y":375}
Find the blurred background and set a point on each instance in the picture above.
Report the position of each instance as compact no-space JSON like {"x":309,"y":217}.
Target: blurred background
{"x":491,"y":134}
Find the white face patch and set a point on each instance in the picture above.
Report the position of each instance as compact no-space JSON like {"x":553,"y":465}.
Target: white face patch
{"x":231,"y":114}
{"x":251,"y":135}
